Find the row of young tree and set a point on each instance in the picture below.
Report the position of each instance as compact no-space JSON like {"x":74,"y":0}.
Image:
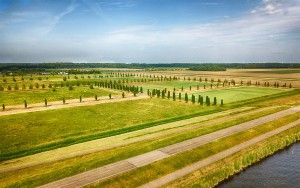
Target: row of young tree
{"x":168,"y":95}
{"x":64,"y":100}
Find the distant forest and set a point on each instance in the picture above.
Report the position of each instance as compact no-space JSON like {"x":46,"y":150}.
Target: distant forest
{"x":4,"y":67}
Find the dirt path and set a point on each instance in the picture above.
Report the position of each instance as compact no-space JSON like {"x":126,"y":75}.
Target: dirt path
{"x":117,"y":168}
{"x":189,"y":169}
{"x":18,"y":109}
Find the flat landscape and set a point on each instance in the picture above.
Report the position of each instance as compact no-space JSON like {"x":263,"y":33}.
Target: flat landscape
{"x":134,"y":127}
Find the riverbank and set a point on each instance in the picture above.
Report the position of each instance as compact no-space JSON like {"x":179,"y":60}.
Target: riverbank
{"x":214,"y":174}
{"x":281,"y":169}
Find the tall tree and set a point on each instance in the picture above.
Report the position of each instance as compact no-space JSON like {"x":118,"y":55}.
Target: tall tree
{"x":193,"y":99}
{"x":215,"y":100}
{"x":186,"y":97}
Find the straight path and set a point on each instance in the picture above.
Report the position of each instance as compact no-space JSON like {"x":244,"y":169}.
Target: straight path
{"x":214,"y":158}
{"x":18,"y":109}
{"x":120,"y":167}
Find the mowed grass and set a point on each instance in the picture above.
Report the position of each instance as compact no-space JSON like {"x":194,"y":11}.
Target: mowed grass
{"x":170,"y":85}
{"x":25,"y":131}
{"x":230,"y":95}
{"x":38,"y":96}
{"x":41,"y":174}
{"x":157,"y":169}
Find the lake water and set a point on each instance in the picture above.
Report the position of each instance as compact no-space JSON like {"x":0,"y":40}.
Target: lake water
{"x":281,"y":170}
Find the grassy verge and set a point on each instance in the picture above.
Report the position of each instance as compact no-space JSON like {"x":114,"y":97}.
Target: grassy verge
{"x":215,"y":173}
{"x":44,"y":173}
{"x":155,"y":170}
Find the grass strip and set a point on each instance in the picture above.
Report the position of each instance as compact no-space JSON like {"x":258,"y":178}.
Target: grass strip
{"x":216,"y":173}
{"x":155,"y":170}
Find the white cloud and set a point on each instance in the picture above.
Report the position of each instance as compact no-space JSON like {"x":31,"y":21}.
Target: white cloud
{"x":266,"y":33}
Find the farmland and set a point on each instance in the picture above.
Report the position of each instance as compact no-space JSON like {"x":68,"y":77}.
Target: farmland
{"x":176,"y":106}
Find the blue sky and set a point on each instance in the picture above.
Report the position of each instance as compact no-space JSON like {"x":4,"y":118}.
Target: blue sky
{"x":150,"y":31}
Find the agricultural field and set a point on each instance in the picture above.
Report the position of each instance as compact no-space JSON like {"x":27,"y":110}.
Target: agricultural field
{"x":60,"y":126}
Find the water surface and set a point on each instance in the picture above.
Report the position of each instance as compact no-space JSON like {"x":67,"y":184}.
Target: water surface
{"x":282,"y":170}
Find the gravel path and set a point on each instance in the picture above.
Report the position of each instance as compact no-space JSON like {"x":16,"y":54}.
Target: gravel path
{"x":117,"y":168}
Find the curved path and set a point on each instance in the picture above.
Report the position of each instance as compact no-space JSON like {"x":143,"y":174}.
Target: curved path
{"x":18,"y":109}
{"x":120,"y":167}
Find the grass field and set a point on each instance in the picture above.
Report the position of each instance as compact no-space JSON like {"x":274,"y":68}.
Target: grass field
{"x":55,"y":170}
{"x":119,"y":130}
{"x":238,"y":94}
{"x":38,"y":96}
{"x":59,"y":125}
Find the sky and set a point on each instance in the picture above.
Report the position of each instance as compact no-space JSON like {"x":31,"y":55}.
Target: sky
{"x":150,"y":31}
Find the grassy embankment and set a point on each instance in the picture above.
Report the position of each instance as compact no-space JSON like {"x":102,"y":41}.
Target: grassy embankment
{"x":214,"y":174}
{"x":157,"y":169}
{"x":52,"y":171}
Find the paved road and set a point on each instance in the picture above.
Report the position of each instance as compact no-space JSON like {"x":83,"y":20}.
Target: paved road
{"x":120,"y":167}
{"x":18,"y":109}
{"x":194,"y":167}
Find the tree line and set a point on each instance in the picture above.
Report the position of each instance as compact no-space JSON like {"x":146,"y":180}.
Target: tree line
{"x":67,"y":65}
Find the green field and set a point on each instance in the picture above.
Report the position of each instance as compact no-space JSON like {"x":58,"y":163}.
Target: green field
{"x":38,"y":96}
{"x":230,"y":95}
{"x":170,"y":85}
{"x":93,"y":136}
{"x":55,"y":170}
{"x":59,"y":125}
